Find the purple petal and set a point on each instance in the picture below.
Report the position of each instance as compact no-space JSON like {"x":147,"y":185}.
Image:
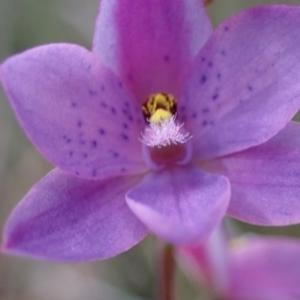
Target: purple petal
{"x":67,"y":218}
{"x":244,"y":85}
{"x":76,"y":111}
{"x":265,"y":180}
{"x":150,"y":43}
{"x":181,"y":205}
{"x":266,"y":269}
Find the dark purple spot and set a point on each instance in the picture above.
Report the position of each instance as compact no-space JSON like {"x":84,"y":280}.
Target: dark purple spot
{"x":125,"y":125}
{"x":84,"y":155}
{"x":92,"y":93}
{"x":94,"y":143}
{"x":194,"y":115}
{"x":204,"y":123}
{"x":223,"y":52}
{"x":115,"y":154}
{"x":73,"y":104}
{"x":127,"y":104}
{"x":67,"y":139}
{"x":94,"y":173}
{"x":120,"y":84}
{"x":219,"y":76}
{"x":103,"y":104}
{"x":203,"y":58}
{"x":203,"y":79}
{"x":79,"y":123}
{"x":113,"y":110}
{"x":77,"y":173}
{"x":101,"y":131}
{"x":125,"y":112}
{"x":71,"y":153}
{"x":82,"y":142}
{"x":182,"y":108}
{"x":102,"y":88}
{"x":123,"y":170}
{"x":250,"y":88}
{"x":226,"y":28}
{"x":215,"y":97}
{"x":205,"y":110}
{"x":124,"y":136}
{"x":166,"y":58}
{"x":129,"y":76}
{"x":210,"y":64}
{"x":130,"y":118}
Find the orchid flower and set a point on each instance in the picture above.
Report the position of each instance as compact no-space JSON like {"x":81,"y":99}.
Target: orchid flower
{"x":246,"y":267}
{"x":164,"y":127}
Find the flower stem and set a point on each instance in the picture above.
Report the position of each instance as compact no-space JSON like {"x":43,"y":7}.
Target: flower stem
{"x":166,"y":273}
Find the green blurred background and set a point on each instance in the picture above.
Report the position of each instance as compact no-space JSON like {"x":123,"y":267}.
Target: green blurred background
{"x":28,"y":23}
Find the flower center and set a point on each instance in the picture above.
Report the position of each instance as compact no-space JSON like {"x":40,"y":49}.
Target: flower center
{"x":164,"y":137}
{"x":159,"y":107}
{"x":160,"y":111}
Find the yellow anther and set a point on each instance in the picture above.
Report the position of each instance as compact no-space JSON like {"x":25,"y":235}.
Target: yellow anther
{"x":160,"y":115}
{"x":160,"y":110}
{"x":159,"y":107}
